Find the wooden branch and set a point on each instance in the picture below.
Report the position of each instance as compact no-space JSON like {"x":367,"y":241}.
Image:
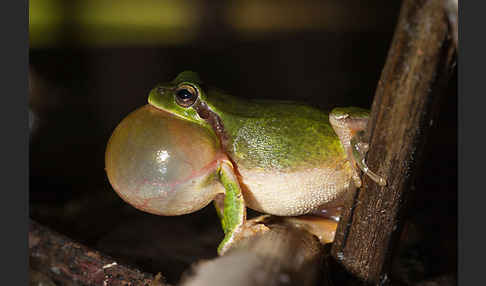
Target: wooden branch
{"x":284,"y":255}
{"x":418,"y":66}
{"x":69,"y":263}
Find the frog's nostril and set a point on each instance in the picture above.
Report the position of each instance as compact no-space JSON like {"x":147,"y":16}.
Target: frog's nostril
{"x":161,"y":90}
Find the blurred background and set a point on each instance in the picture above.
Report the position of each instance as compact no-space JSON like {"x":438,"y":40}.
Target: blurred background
{"x":92,"y":62}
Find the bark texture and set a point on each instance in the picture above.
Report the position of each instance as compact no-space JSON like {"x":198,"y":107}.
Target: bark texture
{"x":65,"y":262}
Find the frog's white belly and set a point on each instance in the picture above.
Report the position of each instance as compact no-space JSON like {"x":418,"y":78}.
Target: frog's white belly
{"x":295,"y":193}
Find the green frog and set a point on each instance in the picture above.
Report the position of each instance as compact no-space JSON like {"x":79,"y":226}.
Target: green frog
{"x":191,"y":145}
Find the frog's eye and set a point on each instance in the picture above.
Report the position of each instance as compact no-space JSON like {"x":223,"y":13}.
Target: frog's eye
{"x":185,"y":95}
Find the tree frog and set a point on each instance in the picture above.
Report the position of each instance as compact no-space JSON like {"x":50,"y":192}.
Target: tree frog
{"x":192,"y":144}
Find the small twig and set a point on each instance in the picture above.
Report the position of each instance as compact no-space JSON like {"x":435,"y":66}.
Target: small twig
{"x":418,"y":66}
{"x":69,"y":263}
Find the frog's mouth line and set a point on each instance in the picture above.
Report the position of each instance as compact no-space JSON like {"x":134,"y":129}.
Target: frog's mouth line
{"x":164,"y":111}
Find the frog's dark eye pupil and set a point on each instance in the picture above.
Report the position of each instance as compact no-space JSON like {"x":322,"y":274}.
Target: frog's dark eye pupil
{"x":185,"y":95}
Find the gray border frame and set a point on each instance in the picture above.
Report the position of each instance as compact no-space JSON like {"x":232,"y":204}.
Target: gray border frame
{"x":15,"y":144}
{"x":471,"y":65}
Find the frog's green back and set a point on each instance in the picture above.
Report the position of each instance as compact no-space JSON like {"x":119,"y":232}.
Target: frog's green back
{"x":276,"y":134}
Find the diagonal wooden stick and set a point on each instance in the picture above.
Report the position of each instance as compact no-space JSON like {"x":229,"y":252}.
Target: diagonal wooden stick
{"x":419,"y":64}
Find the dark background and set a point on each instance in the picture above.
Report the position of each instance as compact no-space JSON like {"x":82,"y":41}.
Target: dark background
{"x":87,"y":74}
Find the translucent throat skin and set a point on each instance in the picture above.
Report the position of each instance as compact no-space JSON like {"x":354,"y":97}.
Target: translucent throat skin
{"x":277,"y":157}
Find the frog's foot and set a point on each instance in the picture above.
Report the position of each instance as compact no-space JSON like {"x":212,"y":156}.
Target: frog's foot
{"x":253,"y":227}
{"x":250,"y":228}
{"x":359,"y":150}
{"x":323,"y":228}
{"x":349,"y":124}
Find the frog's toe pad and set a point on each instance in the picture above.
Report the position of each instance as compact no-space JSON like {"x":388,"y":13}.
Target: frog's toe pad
{"x":323,"y":228}
{"x":253,"y":227}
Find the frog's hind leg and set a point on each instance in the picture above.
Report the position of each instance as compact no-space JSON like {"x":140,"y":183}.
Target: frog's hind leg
{"x":349,"y":124}
{"x":323,"y":228}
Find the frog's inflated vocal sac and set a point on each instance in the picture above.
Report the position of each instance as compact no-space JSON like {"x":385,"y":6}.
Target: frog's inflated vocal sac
{"x":191,"y":145}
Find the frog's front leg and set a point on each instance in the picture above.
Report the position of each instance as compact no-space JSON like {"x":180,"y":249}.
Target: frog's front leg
{"x":349,"y":124}
{"x":232,"y":210}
